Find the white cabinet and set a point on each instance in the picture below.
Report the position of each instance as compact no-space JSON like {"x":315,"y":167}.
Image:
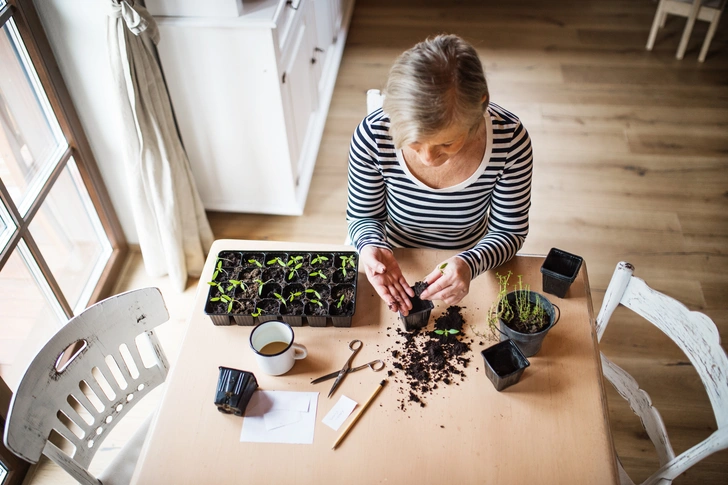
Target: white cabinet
{"x":251,"y":94}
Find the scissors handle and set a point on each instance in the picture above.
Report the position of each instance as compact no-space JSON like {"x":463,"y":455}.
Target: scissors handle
{"x":375,"y":365}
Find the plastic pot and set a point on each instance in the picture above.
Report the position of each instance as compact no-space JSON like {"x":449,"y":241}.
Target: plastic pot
{"x":529,"y":343}
{"x":504,"y":364}
{"x":559,"y":271}
{"x":234,"y":390}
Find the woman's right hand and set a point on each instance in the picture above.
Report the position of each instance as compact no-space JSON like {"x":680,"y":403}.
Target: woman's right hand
{"x":386,"y":277}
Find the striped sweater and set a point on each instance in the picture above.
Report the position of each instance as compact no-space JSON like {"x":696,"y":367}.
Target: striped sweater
{"x":486,"y":215}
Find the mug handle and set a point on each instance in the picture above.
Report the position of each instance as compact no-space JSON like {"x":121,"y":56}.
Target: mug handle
{"x":299,"y":352}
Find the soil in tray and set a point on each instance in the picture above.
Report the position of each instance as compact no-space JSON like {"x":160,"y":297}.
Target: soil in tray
{"x":230,"y":259}
{"x":293,"y":292}
{"x":424,"y":361}
{"x":267,"y":306}
{"x":316,"y":310}
{"x":294,"y":307}
{"x":254,"y":259}
{"x":323,"y":290}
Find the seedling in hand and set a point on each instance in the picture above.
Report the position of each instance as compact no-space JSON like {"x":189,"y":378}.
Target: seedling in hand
{"x":442,"y":268}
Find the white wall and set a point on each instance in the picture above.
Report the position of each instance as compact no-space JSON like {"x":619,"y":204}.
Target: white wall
{"x":76,"y":30}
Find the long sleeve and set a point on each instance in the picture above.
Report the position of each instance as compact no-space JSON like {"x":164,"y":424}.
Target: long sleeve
{"x":510,"y":203}
{"x":366,"y":211}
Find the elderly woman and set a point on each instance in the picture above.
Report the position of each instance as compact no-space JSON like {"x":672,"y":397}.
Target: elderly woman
{"x":439,"y":166}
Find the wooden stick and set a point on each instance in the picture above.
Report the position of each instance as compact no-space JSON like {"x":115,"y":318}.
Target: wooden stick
{"x":356,"y":418}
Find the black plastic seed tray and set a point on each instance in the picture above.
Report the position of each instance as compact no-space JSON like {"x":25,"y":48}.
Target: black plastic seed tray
{"x":251,"y":287}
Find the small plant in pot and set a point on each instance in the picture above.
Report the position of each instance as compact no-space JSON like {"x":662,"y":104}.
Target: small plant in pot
{"x":522,"y":315}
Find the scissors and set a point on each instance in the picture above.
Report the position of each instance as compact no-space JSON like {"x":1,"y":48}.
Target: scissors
{"x":354,"y":346}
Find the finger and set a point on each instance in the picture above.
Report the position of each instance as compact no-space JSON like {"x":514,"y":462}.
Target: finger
{"x":434,"y":276}
{"x":433,"y":291}
{"x":407,"y":288}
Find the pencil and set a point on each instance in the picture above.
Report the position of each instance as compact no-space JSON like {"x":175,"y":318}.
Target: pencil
{"x":356,"y":418}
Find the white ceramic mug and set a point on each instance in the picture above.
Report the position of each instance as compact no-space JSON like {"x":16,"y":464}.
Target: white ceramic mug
{"x":281,"y":352}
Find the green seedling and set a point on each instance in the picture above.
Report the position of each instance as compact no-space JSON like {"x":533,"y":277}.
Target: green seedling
{"x":294,"y":295}
{"x":279,"y":261}
{"x":341,"y":301}
{"x":294,"y":270}
{"x":280,"y":297}
{"x":261,"y":284}
{"x":258,"y":312}
{"x":227,"y":299}
{"x":311,"y":290}
{"x":316,"y":302}
{"x":218,"y":269}
{"x":450,"y":331}
{"x":442,"y":268}
{"x":255,"y":262}
{"x":294,"y":260}
{"x":218,"y":286}
{"x":320,"y":274}
{"x":319,"y":259}
{"x":347,"y":261}
{"x":235,"y":284}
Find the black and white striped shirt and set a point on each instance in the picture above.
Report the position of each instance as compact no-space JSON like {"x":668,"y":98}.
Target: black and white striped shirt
{"x":485,"y":215}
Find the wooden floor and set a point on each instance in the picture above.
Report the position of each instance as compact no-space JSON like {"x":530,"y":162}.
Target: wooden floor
{"x":631,"y":163}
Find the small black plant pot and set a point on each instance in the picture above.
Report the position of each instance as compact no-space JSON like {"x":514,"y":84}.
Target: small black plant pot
{"x":418,"y":316}
{"x":529,"y":343}
{"x":504,"y":364}
{"x":316,"y":315}
{"x":292,"y":313}
{"x":234,"y":390}
{"x":559,"y":271}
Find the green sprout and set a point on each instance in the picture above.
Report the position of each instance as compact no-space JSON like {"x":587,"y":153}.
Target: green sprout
{"x":261,"y":284}
{"x":280,"y":297}
{"x":235,"y":284}
{"x":255,"y":262}
{"x":316,"y":302}
{"x":450,"y":331}
{"x":319,"y":259}
{"x":258,"y":312}
{"x":294,"y":295}
{"x":311,"y":290}
{"x":320,"y":274}
{"x":347,"y":261}
{"x":442,"y":268}
{"x":294,"y":270}
{"x":227,"y":299}
{"x":218,"y":269}
{"x":341,"y":301}
{"x":218,"y":286}
{"x":276,"y":260}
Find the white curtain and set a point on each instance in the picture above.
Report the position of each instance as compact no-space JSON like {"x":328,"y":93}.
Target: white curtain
{"x":174,"y":234}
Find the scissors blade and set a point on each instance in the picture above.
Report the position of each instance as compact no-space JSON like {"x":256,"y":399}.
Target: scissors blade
{"x":326,"y":377}
{"x":342,"y":373}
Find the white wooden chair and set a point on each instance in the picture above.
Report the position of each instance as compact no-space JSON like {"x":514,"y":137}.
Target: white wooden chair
{"x":698,"y":338}
{"x":85,"y":397}
{"x":706,"y":10}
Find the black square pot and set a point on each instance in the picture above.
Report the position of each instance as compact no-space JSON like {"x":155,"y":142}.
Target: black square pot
{"x":234,"y":390}
{"x":559,"y":271}
{"x":419,"y":315}
{"x":504,"y":364}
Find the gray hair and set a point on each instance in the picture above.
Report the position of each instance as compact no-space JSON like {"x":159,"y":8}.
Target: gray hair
{"x":435,"y":84}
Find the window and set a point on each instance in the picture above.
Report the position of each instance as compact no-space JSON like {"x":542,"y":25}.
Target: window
{"x":60,"y":243}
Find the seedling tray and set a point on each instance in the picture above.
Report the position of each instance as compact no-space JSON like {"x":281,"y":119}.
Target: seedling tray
{"x":251,"y":287}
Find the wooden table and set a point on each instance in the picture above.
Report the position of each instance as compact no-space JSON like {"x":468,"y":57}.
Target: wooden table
{"x":551,"y":427}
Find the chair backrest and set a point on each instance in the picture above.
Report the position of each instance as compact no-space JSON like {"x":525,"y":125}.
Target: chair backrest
{"x":697,"y":336}
{"x":374,"y":100}
{"x":83,"y":399}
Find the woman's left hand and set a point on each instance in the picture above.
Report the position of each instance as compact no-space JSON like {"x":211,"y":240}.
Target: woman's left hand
{"x":451,"y":284}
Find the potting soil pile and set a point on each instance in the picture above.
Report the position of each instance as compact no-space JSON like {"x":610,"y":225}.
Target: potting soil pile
{"x":425,"y":360}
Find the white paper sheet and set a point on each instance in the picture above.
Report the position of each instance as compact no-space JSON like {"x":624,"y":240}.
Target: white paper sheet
{"x":338,"y":414}
{"x":280,"y":417}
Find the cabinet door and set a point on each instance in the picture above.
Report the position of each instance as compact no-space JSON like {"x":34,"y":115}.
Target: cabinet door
{"x":300,"y":87}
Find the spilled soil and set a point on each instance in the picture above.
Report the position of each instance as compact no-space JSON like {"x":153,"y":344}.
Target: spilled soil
{"x":425,"y":360}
